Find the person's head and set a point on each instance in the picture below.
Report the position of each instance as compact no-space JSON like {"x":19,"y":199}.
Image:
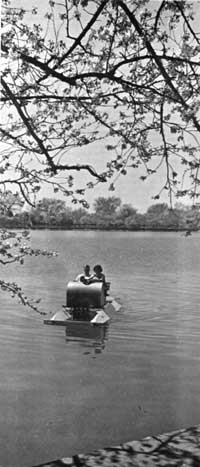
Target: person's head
{"x":87,"y":269}
{"x":98,"y":269}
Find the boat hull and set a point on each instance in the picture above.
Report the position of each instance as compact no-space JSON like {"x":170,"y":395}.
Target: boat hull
{"x":93,"y":317}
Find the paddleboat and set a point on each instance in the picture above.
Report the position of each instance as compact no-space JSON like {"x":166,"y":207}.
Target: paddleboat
{"x":89,"y":303}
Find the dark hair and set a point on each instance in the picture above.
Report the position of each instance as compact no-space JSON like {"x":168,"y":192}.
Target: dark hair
{"x":98,"y":267}
{"x":87,"y":266}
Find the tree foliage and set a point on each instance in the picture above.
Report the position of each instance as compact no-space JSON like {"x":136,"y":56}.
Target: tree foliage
{"x":107,"y":214}
{"x":14,"y":248}
{"x":106,"y":206}
{"x":9,"y":201}
{"x":122,"y":72}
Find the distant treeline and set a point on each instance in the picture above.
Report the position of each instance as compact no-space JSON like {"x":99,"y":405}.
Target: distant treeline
{"x":108,"y":214}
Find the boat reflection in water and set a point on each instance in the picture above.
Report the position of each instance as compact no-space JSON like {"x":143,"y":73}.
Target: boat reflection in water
{"x":89,"y":336}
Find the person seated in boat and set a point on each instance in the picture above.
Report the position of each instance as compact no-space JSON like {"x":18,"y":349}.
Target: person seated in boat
{"x":98,"y":276}
{"x":85,"y":277}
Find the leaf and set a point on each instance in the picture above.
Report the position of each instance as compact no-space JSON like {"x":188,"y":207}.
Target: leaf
{"x":173,"y":129}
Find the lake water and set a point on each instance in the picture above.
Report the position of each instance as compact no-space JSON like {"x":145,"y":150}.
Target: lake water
{"x":59,"y":395}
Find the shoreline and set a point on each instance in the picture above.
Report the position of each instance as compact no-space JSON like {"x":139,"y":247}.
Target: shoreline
{"x":178,"y":448}
{"x":97,"y":229}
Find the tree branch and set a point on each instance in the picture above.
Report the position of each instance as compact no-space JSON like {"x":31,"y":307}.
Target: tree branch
{"x":24,"y":195}
{"x":178,"y":4}
{"x":28,"y":126}
{"x":158,"y":14}
{"x":158,"y":62}
{"x":166,"y":156}
{"x":83,"y":33}
{"x":79,"y":167}
{"x":14,"y":138}
{"x":15,"y":290}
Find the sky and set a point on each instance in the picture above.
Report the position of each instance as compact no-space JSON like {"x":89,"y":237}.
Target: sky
{"x":130,"y":188}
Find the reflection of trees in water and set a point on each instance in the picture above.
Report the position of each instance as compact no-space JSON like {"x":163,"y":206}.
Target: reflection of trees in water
{"x":89,"y":336}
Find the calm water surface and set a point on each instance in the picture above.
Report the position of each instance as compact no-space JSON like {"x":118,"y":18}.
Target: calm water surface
{"x":60,"y":395}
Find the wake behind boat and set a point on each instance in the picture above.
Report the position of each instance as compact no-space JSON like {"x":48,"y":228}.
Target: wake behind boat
{"x":85,"y":303}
